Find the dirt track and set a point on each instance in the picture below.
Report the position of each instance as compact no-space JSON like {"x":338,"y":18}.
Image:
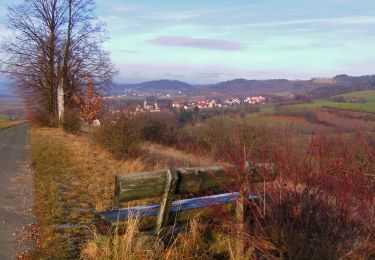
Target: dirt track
{"x":15,"y":191}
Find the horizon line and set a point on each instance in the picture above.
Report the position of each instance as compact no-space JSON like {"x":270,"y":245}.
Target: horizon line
{"x":248,"y":79}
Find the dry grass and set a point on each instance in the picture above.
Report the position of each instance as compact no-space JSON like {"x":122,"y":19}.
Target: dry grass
{"x":116,"y":246}
{"x":198,"y":242}
{"x":95,"y":168}
{"x":174,"y":157}
{"x":74,"y":179}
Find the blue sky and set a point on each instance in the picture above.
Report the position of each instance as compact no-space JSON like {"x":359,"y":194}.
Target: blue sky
{"x":210,"y":41}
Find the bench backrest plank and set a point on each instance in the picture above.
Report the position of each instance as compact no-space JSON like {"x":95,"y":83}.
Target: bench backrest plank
{"x":135,"y":186}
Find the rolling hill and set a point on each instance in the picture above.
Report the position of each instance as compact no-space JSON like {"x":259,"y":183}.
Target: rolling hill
{"x":368,"y":95}
{"x":156,"y":86}
{"x":317,"y":88}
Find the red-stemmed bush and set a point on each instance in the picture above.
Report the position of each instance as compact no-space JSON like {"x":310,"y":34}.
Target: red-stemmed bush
{"x":321,"y":206}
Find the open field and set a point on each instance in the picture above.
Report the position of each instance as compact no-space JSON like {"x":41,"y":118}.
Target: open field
{"x":366,"y":107}
{"x":3,"y":117}
{"x":6,"y":124}
{"x":282,"y":94}
{"x":368,"y":95}
{"x":11,"y":108}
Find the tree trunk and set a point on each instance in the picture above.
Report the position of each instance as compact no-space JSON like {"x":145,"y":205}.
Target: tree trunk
{"x":60,"y":101}
{"x":64,"y":71}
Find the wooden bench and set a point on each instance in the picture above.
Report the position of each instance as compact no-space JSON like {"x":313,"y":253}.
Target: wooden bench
{"x":180,"y":181}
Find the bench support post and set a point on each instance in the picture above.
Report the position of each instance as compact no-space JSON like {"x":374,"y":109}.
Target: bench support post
{"x":166,"y":201}
{"x":241,"y":208}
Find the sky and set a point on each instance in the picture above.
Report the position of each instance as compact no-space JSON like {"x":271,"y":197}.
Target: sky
{"x":208,"y":41}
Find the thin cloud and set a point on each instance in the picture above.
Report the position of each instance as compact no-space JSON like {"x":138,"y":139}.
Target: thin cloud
{"x":354,"y":20}
{"x":127,"y":8}
{"x":180,"y":16}
{"x":128,"y":51}
{"x":198,"y":43}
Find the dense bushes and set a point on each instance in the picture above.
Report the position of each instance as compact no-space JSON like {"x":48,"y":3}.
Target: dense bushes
{"x":72,"y":121}
{"x":320,"y":206}
{"x":38,"y":117}
{"x":222,"y":133}
{"x":158,"y":128}
{"x":310,"y":115}
{"x":121,"y":138}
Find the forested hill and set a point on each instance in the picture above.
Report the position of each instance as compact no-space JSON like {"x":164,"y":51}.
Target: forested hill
{"x":318,"y":87}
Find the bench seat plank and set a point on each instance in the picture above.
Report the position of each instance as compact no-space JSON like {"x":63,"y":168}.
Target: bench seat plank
{"x":123,"y":214}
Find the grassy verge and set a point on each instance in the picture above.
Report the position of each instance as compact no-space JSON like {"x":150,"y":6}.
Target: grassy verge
{"x":7,"y":124}
{"x":73,"y":180}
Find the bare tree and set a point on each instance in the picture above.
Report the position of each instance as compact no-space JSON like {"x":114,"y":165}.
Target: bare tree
{"x":55,"y":44}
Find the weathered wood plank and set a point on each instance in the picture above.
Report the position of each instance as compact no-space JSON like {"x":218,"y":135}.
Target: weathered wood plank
{"x":134,"y":186}
{"x":240,"y":209}
{"x":166,"y":201}
{"x":123,"y":214}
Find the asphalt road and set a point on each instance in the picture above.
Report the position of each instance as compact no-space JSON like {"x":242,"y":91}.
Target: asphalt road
{"x":15,"y":191}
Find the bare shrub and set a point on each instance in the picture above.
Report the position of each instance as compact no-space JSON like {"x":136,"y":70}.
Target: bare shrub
{"x":38,"y":116}
{"x":72,"y":121}
{"x":220,"y":134}
{"x":320,"y":207}
{"x":158,"y":128}
{"x":120,"y":137}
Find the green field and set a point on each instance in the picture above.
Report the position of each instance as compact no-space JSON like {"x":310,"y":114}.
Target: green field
{"x":7,"y":124}
{"x":9,"y":104}
{"x":366,"y":107}
{"x":369,"y":95}
{"x":3,"y":117}
{"x":282,"y":94}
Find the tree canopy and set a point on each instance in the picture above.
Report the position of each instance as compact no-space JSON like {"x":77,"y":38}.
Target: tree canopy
{"x":55,"y":46}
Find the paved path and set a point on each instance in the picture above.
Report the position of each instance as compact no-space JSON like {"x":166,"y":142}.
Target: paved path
{"x":15,"y":191}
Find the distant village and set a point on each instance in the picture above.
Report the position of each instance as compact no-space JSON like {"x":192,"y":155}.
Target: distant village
{"x":153,"y":104}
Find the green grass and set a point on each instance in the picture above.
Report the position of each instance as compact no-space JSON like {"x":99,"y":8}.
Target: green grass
{"x":3,"y":117}
{"x":368,"y":95}
{"x":6,"y":124}
{"x":282,"y":94}
{"x":9,"y":104}
{"x":366,"y":107}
